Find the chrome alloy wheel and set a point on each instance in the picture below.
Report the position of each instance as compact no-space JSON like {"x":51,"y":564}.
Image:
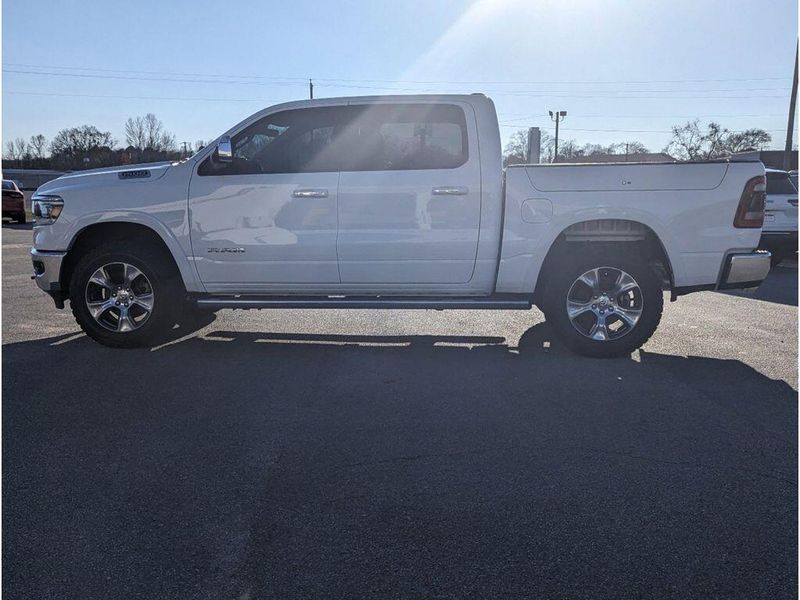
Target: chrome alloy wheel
{"x":119,"y":297}
{"x":604,"y":303}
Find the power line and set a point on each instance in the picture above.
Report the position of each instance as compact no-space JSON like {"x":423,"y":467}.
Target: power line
{"x":521,"y":127}
{"x":525,"y":93}
{"x":440,"y":82}
{"x":718,"y":116}
{"x":122,"y":97}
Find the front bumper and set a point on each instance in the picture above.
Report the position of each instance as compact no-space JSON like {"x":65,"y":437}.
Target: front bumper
{"x":745,"y":270}
{"x":47,"y":273}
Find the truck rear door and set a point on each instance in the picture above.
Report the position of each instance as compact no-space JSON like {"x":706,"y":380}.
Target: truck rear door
{"x":409,"y":198}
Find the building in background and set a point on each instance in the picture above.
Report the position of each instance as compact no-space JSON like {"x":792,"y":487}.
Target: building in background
{"x":30,"y":179}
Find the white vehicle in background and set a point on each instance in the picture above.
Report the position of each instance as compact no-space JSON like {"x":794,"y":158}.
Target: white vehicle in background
{"x":393,"y":202}
{"x":779,"y":234}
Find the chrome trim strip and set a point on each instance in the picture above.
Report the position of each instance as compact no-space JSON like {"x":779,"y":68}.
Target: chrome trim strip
{"x":378,"y":303}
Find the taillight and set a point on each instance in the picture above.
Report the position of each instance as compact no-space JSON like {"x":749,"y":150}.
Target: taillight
{"x":750,"y":213}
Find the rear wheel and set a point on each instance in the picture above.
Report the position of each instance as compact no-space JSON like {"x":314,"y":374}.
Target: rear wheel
{"x":603,"y":305}
{"x":21,"y":218}
{"x":125,"y":294}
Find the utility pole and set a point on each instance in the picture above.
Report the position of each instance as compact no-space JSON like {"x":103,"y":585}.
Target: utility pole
{"x":787,"y":155}
{"x":185,"y":149}
{"x":310,"y":89}
{"x":557,"y":116}
{"x":534,"y":146}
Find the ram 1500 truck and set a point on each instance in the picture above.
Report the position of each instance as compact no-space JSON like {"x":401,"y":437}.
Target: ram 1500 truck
{"x":393,"y":202}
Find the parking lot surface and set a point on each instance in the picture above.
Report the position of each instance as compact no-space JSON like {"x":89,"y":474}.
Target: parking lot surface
{"x":456,"y":454}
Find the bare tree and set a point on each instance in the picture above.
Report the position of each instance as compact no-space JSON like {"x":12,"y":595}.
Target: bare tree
{"x":38,"y":146}
{"x":148,"y":133}
{"x":715,"y":140}
{"x":134,"y":133}
{"x":629,"y":147}
{"x":199,"y":145}
{"x":569,"y":149}
{"x":750,"y":139}
{"x":11,"y":152}
{"x":687,"y":141}
{"x":22,"y":150}
{"x":81,"y":139}
{"x":515,"y":151}
{"x":690,"y":142}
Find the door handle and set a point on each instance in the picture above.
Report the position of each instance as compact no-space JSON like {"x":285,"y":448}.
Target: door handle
{"x":310,"y":193}
{"x":450,"y":190}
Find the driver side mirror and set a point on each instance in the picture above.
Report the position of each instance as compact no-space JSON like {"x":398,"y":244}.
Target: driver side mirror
{"x":224,"y":151}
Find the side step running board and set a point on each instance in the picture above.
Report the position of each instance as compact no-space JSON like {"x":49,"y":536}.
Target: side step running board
{"x":392,"y":302}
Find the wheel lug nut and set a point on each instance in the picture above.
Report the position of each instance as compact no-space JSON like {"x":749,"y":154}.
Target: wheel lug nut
{"x":117,"y":302}
{"x":594,"y":305}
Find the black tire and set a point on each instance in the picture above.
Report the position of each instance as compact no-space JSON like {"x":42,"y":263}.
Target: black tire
{"x":159,"y":269}
{"x":566,"y":271}
{"x":21,"y":219}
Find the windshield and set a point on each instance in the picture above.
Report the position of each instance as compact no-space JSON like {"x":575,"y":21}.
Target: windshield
{"x":8,"y":185}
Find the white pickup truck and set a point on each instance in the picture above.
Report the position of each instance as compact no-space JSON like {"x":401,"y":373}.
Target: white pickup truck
{"x":393,"y":202}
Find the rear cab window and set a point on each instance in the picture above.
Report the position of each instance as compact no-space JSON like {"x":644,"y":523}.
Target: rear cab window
{"x":404,"y":137}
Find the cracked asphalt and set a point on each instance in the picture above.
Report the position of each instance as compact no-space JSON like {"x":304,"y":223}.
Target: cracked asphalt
{"x":400,"y":454}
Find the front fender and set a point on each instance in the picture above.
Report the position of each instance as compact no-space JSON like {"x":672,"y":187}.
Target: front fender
{"x":174,"y":235}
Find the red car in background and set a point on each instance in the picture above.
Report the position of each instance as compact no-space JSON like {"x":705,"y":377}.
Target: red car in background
{"x":13,"y":201}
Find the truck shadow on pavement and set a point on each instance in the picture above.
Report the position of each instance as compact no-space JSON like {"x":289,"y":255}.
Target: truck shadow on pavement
{"x":307,"y":465}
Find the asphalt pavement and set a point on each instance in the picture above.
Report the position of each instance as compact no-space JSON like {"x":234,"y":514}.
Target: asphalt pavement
{"x":400,"y":454}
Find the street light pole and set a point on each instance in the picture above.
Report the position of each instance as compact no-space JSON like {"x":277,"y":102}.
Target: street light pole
{"x":787,"y":155}
{"x":557,"y":116}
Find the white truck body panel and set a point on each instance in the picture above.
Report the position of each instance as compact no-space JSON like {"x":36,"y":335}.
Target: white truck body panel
{"x":389,"y":232}
{"x":693,"y":220}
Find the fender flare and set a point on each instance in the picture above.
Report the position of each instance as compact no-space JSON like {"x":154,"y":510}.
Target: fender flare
{"x":188,"y":272}
{"x":561,"y":222}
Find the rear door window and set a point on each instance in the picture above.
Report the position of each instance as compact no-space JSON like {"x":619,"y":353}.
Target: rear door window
{"x":404,"y":137}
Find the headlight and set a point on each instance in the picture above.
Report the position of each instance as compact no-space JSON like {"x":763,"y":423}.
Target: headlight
{"x":46,"y":208}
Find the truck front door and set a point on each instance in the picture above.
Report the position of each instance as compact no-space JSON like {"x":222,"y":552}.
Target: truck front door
{"x":268,"y":218}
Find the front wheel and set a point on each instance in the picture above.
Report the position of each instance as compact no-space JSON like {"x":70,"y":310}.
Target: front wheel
{"x":125,"y":294}
{"x":603,"y":305}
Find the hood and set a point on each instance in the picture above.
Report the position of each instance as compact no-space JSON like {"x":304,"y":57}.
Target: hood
{"x":144,"y":172}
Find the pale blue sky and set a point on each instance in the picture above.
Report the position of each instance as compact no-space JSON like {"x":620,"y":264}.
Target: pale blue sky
{"x":624,"y":70}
